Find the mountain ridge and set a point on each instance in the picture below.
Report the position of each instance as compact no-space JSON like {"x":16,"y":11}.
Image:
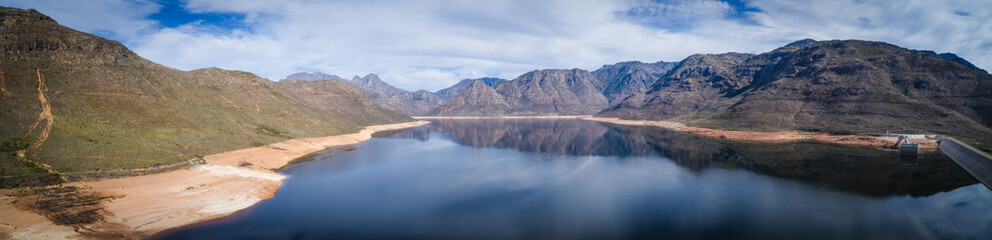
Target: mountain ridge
{"x":839,"y":86}
{"x":104,"y":107}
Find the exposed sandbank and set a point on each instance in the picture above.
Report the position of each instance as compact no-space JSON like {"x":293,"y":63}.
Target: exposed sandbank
{"x":149,"y":204}
{"x":774,"y":137}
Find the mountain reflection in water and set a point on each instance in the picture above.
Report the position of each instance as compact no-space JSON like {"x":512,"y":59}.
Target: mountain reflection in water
{"x":864,"y":171}
{"x":577,"y":179}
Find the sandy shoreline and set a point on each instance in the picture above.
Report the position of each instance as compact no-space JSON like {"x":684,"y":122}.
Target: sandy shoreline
{"x":504,"y":117}
{"x":773,"y":137}
{"x":149,"y":204}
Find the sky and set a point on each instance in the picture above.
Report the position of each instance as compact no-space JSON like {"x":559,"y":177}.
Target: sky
{"x":432,"y":44}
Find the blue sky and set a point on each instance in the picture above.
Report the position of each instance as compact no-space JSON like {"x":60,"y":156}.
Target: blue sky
{"x":173,"y":14}
{"x":430,"y":44}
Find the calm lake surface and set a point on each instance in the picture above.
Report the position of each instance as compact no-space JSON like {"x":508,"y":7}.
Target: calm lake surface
{"x":577,"y":179}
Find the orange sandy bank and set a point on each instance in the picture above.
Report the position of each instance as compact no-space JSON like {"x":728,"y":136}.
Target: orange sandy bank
{"x":787,"y":136}
{"x":145,"y":205}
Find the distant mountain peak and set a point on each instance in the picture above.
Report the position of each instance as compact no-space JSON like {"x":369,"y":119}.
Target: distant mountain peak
{"x":960,"y":60}
{"x":392,"y":98}
{"x":618,"y":80}
{"x":450,"y":92}
{"x":477,"y":99}
{"x":24,"y":14}
{"x":312,"y":76}
{"x":802,"y":43}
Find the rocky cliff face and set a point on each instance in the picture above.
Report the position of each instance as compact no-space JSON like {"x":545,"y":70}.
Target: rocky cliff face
{"x":417,"y":103}
{"x":450,"y":92}
{"x":833,"y":86}
{"x":80,"y":102}
{"x":623,"y":79}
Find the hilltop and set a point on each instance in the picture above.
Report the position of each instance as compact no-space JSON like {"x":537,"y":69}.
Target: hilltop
{"x":78,"y":102}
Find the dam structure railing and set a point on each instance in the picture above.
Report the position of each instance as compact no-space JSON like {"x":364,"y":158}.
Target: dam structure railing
{"x":977,"y":163}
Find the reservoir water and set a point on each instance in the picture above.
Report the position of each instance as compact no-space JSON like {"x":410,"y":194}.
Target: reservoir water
{"x":577,"y":179}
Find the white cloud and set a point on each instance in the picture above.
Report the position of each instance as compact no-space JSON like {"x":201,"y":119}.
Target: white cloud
{"x":434,"y":43}
{"x":916,"y":24}
{"x":116,"y":19}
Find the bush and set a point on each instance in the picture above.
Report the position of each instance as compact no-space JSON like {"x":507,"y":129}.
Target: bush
{"x":14,"y":145}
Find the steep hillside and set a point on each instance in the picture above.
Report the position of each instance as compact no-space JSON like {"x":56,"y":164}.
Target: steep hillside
{"x":553,"y":91}
{"x":832,"y":86}
{"x":340,"y":99}
{"x":416,"y":103}
{"x":696,"y":83}
{"x":623,"y":79}
{"x":450,"y":92}
{"x":79,"y":102}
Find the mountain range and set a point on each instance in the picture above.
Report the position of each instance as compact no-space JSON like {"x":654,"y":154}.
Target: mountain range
{"x":540,"y":92}
{"x":406,"y":102}
{"x":839,"y":86}
{"x":78,"y":102}
{"x":848,"y":86}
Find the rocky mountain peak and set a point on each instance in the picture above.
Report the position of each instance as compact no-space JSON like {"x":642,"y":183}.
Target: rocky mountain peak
{"x":962,"y":61}
{"x":372,"y":82}
{"x":802,"y":43}
{"x":478,"y":99}
{"x":451,"y":92}
{"x":622,"y":79}
{"x":28,"y":31}
{"x":23,"y":15}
